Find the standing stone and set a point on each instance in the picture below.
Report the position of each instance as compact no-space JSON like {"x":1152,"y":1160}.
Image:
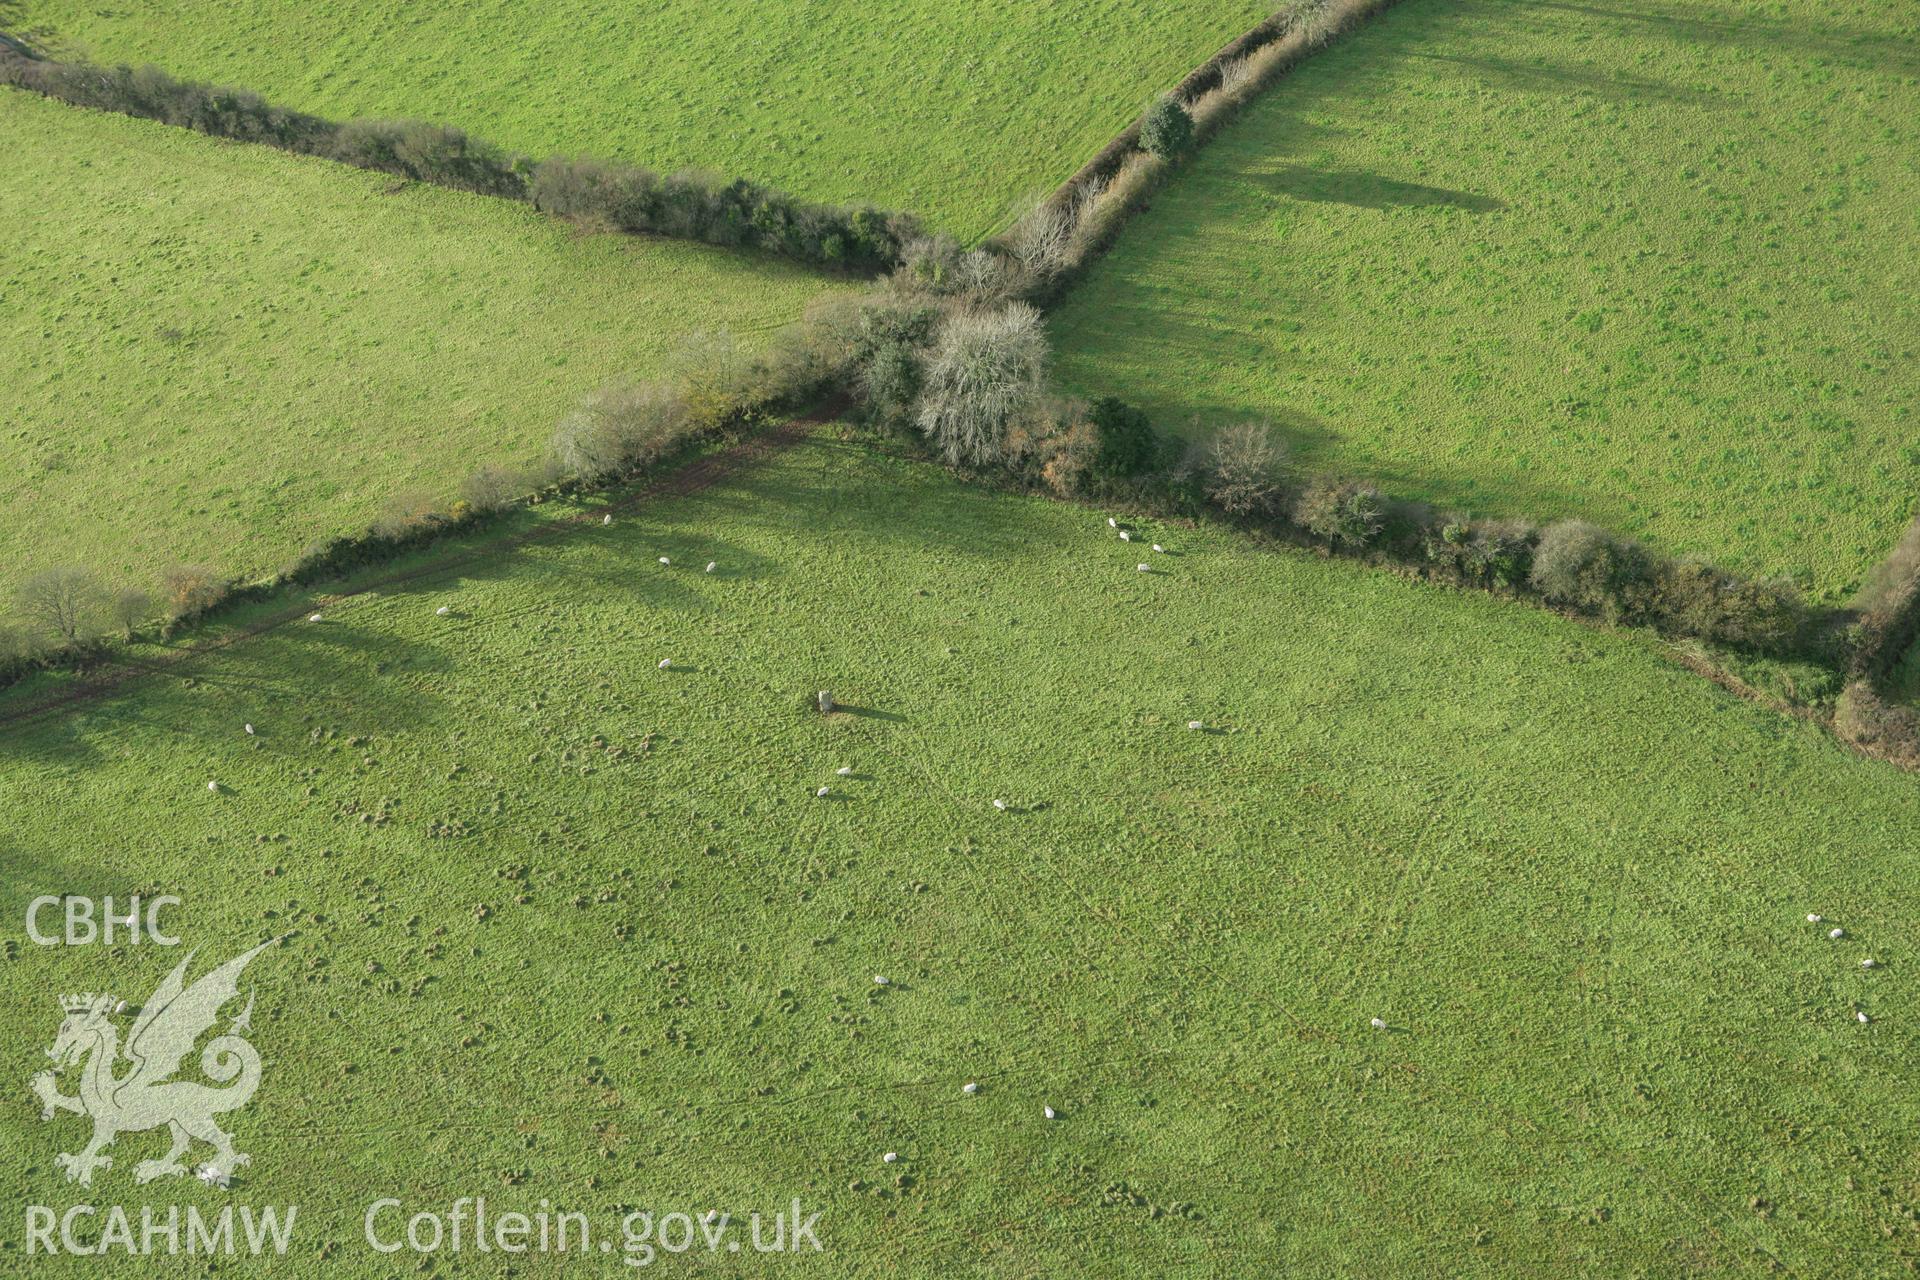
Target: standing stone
{"x":826,"y":702}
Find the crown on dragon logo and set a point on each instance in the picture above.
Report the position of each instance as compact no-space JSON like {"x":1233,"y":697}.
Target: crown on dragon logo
{"x":132,"y":1088}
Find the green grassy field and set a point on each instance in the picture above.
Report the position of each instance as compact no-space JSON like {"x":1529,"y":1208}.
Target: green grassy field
{"x":1636,"y":261}
{"x":950,"y":111}
{"x":217,"y":353}
{"x":566,"y":926}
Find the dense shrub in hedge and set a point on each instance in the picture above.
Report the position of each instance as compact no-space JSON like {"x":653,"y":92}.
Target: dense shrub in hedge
{"x":1699,"y":600}
{"x":1583,"y":565}
{"x":1497,"y":554}
{"x":432,"y":153}
{"x":1128,"y":445}
{"x":1344,"y":512}
{"x":634,"y":199}
{"x":1167,"y":129}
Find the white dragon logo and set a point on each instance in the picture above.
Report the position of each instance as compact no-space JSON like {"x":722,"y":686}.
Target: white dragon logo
{"x":146,"y":1097}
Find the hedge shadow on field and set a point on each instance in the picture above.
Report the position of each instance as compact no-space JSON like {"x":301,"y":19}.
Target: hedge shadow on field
{"x":1530,"y":494}
{"x":28,"y":872}
{"x":1875,"y":51}
{"x":1199,"y":233}
{"x":1522,"y":77}
{"x":209,"y":698}
{"x":621,"y":564}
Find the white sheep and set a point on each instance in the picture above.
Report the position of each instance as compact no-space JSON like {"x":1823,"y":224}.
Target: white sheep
{"x":442,"y":611}
{"x":1813,"y":917}
{"x":1867,"y":964}
{"x":248,"y":728}
{"x":1125,"y":536}
{"x":665,"y":561}
{"x":1112,"y":523}
{"x":1001,"y":805}
{"x":313,"y":617}
{"x":712,"y":565}
{"x":1050,"y":1113}
{"x":1378,"y":1024}
{"x":970,"y":1088}
{"x":844,"y":771}
{"x":607,"y":519}
{"x":1836,"y":934}
{"x":1140,"y":568}
{"x":890,"y":1157}
{"x":1860,"y":1016}
{"x":1157,"y":547}
{"x":1195,"y":724}
{"x":665,"y":663}
{"x":821,"y":794}
{"x":880,"y":980}
{"x":214,"y":787}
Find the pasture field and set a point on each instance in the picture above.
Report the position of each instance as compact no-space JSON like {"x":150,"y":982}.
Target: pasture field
{"x":564,"y":926}
{"x":949,"y":111}
{"x":219,"y":353}
{"x":1635,"y":261}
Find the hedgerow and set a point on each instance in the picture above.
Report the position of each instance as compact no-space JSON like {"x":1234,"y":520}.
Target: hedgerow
{"x":620,"y":197}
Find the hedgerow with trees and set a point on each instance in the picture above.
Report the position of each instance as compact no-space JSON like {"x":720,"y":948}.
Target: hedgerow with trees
{"x":948,"y":351}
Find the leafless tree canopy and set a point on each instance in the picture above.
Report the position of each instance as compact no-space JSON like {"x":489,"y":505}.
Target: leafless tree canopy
{"x":987,"y":368}
{"x":63,"y":604}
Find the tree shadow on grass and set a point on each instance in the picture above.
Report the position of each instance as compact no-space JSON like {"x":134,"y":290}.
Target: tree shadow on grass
{"x":1367,"y":190}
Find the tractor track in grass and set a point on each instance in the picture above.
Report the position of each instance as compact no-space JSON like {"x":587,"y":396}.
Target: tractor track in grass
{"x":701,"y":473}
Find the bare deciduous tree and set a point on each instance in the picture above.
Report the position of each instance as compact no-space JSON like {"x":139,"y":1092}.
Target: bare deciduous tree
{"x":62,"y":603}
{"x":987,"y":368}
{"x":1040,"y":237}
{"x":622,"y":425}
{"x":1240,"y":468}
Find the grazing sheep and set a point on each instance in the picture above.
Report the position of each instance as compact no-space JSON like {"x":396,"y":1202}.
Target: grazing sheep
{"x":313,"y":617}
{"x":969,"y":1087}
{"x":1001,"y":805}
{"x":442,"y":611}
{"x":248,"y":728}
{"x":821,"y":794}
{"x":1378,"y":1024}
{"x":607,"y":519}
{"x":712,"y":565}
{"x":1140,"y":568}
{"x":1195,"y":724}
{"x":1836,"y":934}
{"x":844,"y":771}
{"x":665,"y":561}
{"x":880,"y":980}
{"x":665,"y":663}
{"x":1112,"y":523}
{"x":1813,"y":917}
{"x":890,"y":1157}
{"x":1050,"y":1113}
{"x":1860,"y":1016}
{"x":213,"y":786}
{"x":1867,"y":964}
{"x":1157,"y":547}
{"x":1125,"y":536}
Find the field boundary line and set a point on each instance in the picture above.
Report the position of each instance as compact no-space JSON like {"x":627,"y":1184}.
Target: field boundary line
{"x":699,"y":474}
